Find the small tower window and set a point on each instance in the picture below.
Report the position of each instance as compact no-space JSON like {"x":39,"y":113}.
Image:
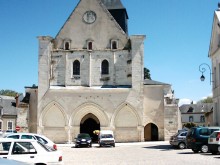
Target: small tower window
{"x":89,"y":45}
{"x":67,"y":46}
{"x":76,"y":67}
{"x":114,"y":44}
{"x":105,"y":67}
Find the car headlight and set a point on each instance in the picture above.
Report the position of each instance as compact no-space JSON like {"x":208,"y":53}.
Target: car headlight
{"x":89,"y":141}
{"x":77,"y":141}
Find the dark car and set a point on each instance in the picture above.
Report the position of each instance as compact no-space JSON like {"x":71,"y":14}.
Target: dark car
{"x":179,"y":139}
{"x":197,"y":138}
{"x":83,"y":140}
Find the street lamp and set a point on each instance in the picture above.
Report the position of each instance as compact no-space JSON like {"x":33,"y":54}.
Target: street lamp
{"x":202,"y":69}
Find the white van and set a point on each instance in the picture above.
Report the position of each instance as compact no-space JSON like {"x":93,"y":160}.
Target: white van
{"x":106,"y":137}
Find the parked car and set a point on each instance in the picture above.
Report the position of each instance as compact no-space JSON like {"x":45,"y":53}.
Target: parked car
{"x":214,"y":143}
{"x":179,"y":139}
{"x":4,"y":161}
{"x":106,"y":137}
{"x":7,"y":132}
{"x":197,"y":138}
{"x":29,"y":151}
{"x":38,"y":137}
{"x":83,"y":139}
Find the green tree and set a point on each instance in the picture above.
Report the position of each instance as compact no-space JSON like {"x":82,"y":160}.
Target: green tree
{"x":189,"y":125}
{"x":206,"y":100}
{"x":8,"y":92}
{"x":147,"y":74}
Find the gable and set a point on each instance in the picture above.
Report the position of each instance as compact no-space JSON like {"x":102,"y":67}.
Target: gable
{"x":91,"y":20}
{"x":215,"y":36}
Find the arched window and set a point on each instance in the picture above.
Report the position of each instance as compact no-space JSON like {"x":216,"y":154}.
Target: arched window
{"x":90,"y":45}
{"x":76,"y":67}
{"x":114,"y":45}
{"x":105,"y":67}
{"x":67,"y":46}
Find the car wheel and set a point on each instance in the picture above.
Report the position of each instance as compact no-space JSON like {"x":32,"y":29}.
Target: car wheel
{"x":113,"y":145}
{"x":204,"y":148}
{"x":195,"y":150}
{"x":182,"y":145}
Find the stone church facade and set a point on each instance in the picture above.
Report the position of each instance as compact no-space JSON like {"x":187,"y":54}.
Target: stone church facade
{"x":91,"y":78}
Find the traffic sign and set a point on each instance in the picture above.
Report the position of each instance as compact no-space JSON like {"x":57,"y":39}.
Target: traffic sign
{"x":17,"y":128}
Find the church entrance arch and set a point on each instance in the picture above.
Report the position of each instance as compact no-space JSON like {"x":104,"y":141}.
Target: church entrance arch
{"x":88,"y":124}
{"x":151,"y":132}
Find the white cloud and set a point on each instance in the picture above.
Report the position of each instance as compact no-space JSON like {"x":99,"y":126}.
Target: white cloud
{"x":184,"y":101}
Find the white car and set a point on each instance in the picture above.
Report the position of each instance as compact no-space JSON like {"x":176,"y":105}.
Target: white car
{"x":214,"y":142}
{"x":29,"y":151}
{"x":38,"y":137}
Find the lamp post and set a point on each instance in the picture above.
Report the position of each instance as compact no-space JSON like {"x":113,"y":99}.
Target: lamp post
{"x":202,"y":69}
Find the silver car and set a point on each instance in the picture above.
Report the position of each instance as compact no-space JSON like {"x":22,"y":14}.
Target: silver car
{"x":179,"y":140}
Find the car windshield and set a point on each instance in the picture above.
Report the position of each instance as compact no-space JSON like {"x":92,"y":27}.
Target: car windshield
{"x":107,"y":136}
{"x":83,"y":136}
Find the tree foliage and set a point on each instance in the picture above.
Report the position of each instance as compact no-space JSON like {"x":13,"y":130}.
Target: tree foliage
{"x":8,"y":92}
{"x":206,"y":100}
{"x":189,"y":125}
{"x":147,"y":74}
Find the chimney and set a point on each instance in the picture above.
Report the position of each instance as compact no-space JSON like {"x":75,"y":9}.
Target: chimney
{"x":16,"y":98}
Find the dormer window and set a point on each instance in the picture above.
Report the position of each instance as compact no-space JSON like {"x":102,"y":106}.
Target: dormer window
{"x":66,"y":45}
{"x":114,"y":44}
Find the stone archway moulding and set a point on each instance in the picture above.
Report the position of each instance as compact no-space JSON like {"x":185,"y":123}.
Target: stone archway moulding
{"x":132,"y":110}
{"x":47,"y":108}
{"x":87,"y":108}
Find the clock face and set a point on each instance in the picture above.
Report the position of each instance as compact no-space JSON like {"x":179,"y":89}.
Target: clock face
{"x":89,"y":17}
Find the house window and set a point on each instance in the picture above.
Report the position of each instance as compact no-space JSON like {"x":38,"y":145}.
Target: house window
{"x":67,"y":46}
{"x":105,"y":67}
{"x":9,"y":125}
{"x":114,"y":44}
{"x":76,"y":67}
{"x":202,"y":119}
{"x":190,"y":118}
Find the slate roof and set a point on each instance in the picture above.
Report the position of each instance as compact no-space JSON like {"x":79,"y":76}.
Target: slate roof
{"x":6,"y":104}
{"x":196,"y":108}
{"x":113,"y":4}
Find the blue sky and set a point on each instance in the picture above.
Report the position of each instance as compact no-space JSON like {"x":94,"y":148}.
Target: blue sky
{"x":177,"y":39}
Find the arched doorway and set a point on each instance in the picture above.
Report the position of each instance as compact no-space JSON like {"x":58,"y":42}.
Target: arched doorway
{"x":88,"y":124}
{"x":151,"y":132}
